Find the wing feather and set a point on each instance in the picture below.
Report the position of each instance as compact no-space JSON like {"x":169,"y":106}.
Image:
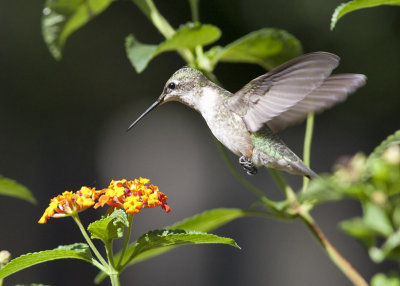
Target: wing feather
{"x":270,"y":95}
{"x":334,"y":89}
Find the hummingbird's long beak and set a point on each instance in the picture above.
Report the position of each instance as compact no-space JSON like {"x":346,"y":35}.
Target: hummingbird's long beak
{"x":154,"y":105}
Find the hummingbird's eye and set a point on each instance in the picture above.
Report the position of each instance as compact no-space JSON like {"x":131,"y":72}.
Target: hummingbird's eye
{"x":171,"y":85}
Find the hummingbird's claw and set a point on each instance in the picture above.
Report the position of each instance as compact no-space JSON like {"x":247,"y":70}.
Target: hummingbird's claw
{"x":248,"y":166}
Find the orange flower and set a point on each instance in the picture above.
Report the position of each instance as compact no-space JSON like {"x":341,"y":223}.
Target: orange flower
{"x":129,"y":195}
{"x":133,"y":196}
{"x":133,"y":205}
{"x":70,"y":203}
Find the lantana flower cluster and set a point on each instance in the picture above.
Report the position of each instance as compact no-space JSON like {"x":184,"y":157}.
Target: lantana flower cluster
{"x":132,"y":196}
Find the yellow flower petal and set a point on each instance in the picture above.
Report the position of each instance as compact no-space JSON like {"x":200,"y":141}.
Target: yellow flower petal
{"x":133,"y":205}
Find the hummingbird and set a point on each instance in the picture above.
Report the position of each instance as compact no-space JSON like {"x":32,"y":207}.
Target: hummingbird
{"x":247,"y":122}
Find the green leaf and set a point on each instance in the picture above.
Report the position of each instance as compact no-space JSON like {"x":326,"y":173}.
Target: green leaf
{"x":176,"y":237}
{"x":266,"y":47}
{"x":138,"y":53}
{"x":63,"y":17}
{"x":376,"y":218}
{"x":357,"y":228}
{"x":379,"y":150}
{"x":187,"y":36}
{"x":382,"y":279}
{"x":376,"y":254}
{"x":322,"y":189}
{"x":327,"y":188}
{"x":157,"y":242}
{"x":354,"y":5}
{"x":210,"y":220}
{"x":76,"y":251}
{"x":110,"y":227}
{"x":204,"y":222}
{"x":11,"y":188}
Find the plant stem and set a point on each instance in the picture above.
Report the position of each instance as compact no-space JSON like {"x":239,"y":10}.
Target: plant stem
{"x":127,"y":261}
{"x":107,"y":268}
{"x":126,"y":242}
{"x":89,"y":241}
{"x":333,"y":254}
{"x":280,"y":181}
{"x":194,"y":8}
{"x":114,"y":279}
{"x":307,"y":146}
{"x":150,"y":10}
{"x":112,"y":272}
{"x":110,"y":254}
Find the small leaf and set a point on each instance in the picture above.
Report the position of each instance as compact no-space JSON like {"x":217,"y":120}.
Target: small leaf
{"x":357,"y":228}
{"x":175,"y":237}
{"x":382,"y":279}
{"x":76,"y":251}
{"x":187,"y":36}
{"x":138,"y":53}
{"x":110,"y":227}
{"x":376,"y":218}
{"x":376,"y":254}
{"x":327,"y":188}
{"x":267,"y":47}
{"x":379,"y":150}
{"x":354,"y":5}
{"x":11,"y":188}
{"x":322,"y":189}
{"x":63,"y":17}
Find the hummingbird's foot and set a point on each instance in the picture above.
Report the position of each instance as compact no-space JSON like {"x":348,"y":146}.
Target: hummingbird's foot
{"x":248,"y":166}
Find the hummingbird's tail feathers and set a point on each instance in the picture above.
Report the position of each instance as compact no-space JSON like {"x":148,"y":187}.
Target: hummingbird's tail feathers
{"x":295,"y":167}
{"x":306,"y":171}
{"x":312,"y":175}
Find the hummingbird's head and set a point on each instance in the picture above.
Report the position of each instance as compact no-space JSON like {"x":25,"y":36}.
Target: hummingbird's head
{"x":183,"y":86}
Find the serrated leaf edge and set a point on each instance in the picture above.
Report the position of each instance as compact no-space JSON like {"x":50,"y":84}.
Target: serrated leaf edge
{"x":72,"y":255}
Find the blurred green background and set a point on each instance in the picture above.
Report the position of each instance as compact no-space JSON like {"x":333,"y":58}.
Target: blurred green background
{"x":63,"y":125}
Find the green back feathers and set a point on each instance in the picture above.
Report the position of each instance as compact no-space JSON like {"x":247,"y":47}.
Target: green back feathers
{"x":269,"y":143}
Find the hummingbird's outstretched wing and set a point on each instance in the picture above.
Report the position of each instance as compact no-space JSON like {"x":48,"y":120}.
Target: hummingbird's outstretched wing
{"x":273,"y":94}
{"x":333,"y":90}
